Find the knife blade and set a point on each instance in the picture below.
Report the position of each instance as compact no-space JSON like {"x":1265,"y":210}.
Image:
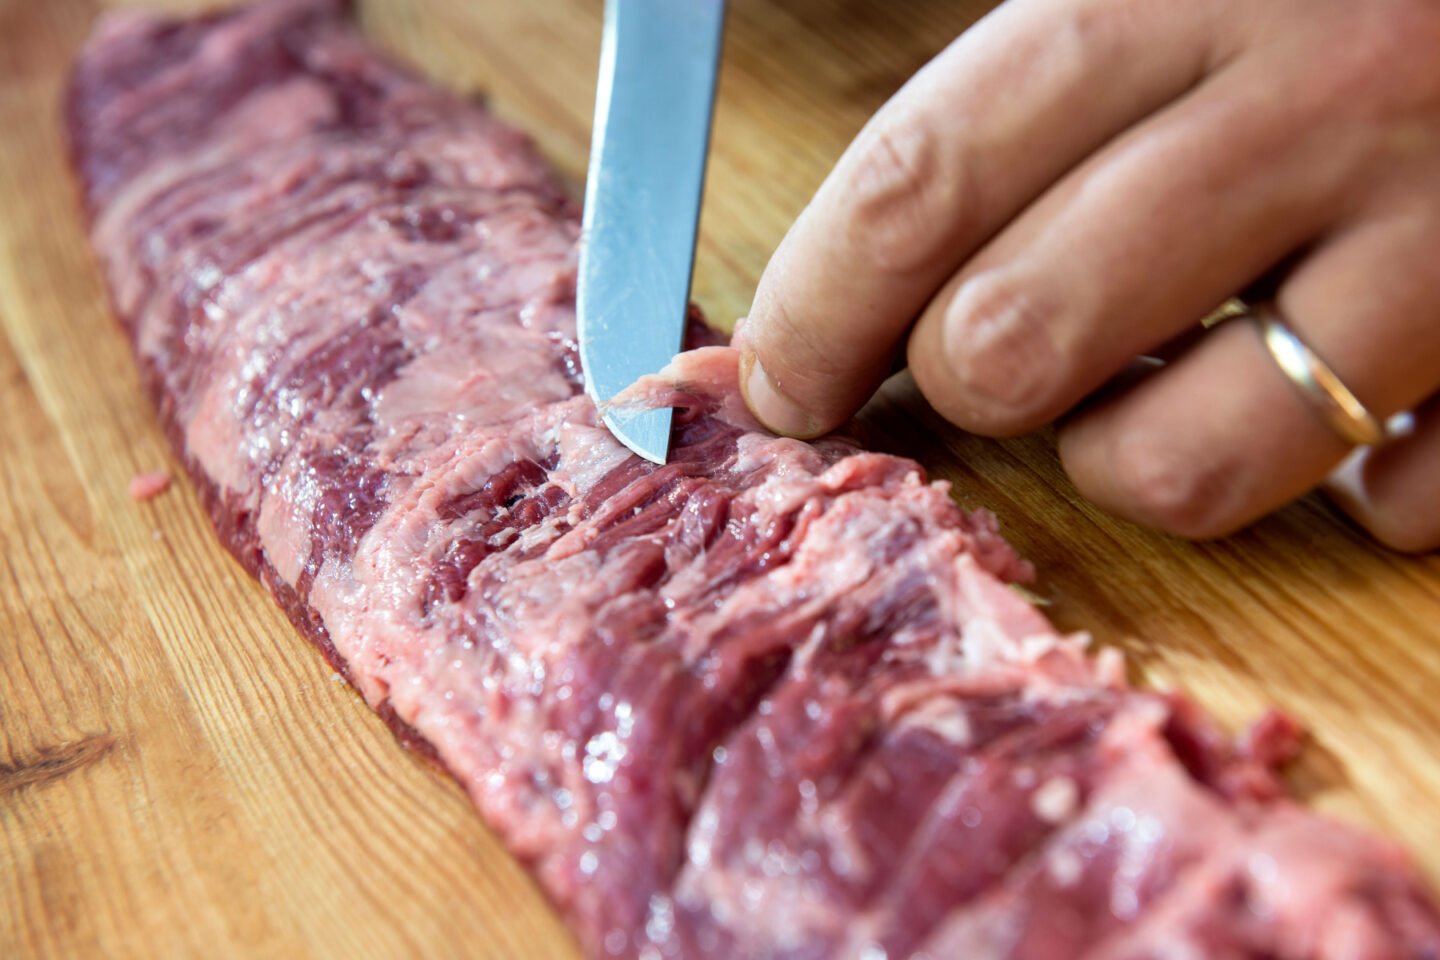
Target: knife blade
{"x":656,"y":94}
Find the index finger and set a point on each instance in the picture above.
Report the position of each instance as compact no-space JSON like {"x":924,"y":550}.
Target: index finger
{"x":974,"y":137}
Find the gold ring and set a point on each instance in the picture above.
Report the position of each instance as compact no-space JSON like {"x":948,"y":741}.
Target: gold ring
{"x":1312,"y":376}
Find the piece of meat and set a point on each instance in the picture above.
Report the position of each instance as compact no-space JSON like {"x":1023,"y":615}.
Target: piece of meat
{"x":148,"y":486}
{"x":773,"y":699}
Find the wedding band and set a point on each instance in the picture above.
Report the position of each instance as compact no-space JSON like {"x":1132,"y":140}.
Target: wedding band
{"x":1312,"y":376}
{"x":1229,"y":310}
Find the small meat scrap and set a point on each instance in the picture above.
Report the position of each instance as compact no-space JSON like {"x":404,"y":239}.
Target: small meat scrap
{"x":148,"y":486}
{"x":772,"y":699}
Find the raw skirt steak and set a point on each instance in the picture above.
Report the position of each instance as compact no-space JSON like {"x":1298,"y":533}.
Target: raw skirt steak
{"x":774,"y":699}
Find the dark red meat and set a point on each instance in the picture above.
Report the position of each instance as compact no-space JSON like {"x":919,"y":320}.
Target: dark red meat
{"x":771,"y":700}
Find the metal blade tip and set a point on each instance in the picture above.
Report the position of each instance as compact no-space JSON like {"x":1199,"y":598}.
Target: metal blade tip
{"x":645,"y":432}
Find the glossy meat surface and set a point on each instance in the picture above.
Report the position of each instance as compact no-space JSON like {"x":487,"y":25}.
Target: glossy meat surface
{"x":772,"y":699}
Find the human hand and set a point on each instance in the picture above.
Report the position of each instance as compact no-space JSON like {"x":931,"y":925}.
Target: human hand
{"x":1075,"y":183}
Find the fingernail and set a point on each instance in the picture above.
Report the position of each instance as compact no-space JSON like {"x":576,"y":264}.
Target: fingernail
{"x":771,"y":407}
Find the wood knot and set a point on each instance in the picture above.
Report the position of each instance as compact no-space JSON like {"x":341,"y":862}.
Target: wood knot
{"x":54,"y":762}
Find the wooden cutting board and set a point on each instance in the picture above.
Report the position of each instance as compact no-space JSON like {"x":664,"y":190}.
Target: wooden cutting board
{"x":181,"y":775}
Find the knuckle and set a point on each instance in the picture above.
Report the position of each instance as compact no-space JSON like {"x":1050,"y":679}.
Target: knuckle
{"x":1390,"y":58}
{"x":1169,"y":488}
{"x":1000,"y":347}
{"x":1105,"y":26}
{"x":900,"y":193}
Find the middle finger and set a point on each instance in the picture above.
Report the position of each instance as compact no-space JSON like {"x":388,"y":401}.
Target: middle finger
{"x":1131,"y":249}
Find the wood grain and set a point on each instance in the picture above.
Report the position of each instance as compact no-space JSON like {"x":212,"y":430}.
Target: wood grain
{"x":181,"y":775}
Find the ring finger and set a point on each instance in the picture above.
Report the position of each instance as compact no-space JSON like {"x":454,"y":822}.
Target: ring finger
{"x":1221,"y":437}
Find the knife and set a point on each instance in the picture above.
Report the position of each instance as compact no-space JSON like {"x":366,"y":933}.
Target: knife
{"x":656,"y":94}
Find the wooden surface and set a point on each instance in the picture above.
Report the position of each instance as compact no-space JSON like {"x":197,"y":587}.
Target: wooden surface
{"x":181,"y":775}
